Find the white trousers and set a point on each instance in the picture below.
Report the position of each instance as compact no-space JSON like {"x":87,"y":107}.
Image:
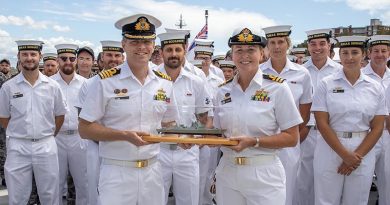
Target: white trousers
{"x":93,"y":170}
{"x":250,"y":185}
{"x":207,"y":198}
{"x":121,"y":185}
{"x":304,"y":194}
{"x":24,"y":158}
{"x":180,"y":168}
{"x":382,"y":167}
{"x":290,"y":158}
{"x":332,"y":188}
{"x":72,"y":156}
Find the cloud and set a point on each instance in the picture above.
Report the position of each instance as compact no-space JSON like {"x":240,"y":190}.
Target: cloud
{"x":371,"y":5}
{"x":29,"y":22}
{"x":4,"y":34}
{"x":83,"y":15}
{"x":222,"y":22}
{"x":61,"y":28}
{"x":23,"y":21}
{"x":386,"y":18}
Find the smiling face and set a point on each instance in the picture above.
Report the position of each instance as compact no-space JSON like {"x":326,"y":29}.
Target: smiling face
{"x":351,"y":57}
{"x":173,"y":55}
{"x":246,"y":57}
{"x":138,"y":51}
{"x":29,"y":59}
{"x":111,"y":59}
{"x":379,"y":55}
{"x":319,"y":48}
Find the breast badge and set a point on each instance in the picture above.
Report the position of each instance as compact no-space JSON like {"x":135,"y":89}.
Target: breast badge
{"x":260,"y":95}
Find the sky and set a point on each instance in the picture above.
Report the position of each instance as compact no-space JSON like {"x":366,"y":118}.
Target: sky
{"x":86,"y":23}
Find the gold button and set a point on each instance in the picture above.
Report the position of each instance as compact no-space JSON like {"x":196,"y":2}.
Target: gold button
{"x":241,"y":160}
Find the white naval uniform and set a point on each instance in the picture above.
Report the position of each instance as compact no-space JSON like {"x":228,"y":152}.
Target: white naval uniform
{"x":386,"y":156}
{"x":263,"y":181}
{"x":208,"y":156}
{"x":31,"y":147}
{"x":93,"y":159}
{"x":217,"y":71}
{"x":71,"y":148}
{"x":299,"y":81}
{"x":383,"y":145}
{"x":121,"y":102}
{"x":180,"y":168}
{"x":365,"y":101}
{"x":304,"y":194}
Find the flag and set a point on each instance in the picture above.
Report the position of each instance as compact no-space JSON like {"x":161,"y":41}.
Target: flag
{"x":201,"y":35}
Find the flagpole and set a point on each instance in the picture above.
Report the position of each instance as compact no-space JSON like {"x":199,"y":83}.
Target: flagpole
{"x":206,"y":15}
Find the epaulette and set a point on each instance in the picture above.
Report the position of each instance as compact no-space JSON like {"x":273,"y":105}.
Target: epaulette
{"x":273,"y":78}
{"x":226,"y":82}
{"x":109,"y":73}
{"x":162,"y":75}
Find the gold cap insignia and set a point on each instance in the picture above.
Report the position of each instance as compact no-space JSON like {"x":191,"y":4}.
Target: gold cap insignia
{"x":245,"y":36}
{"x":142,"y":25}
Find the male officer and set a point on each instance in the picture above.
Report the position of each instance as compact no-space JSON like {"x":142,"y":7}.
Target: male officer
{"x":32,"y":110}
{"x":210,"y":44}
{"x":379,"y":52}
{"x":300,"y":54}
{"x":50,"y":64}
{"x":319,"y":66}
{"x":180,"y":167}
{"x":129,"y":101}
{"x":112,"y":56}
{"x":71,"y":148}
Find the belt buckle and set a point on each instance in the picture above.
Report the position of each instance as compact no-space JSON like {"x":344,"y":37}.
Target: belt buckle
{"x":241,"y":160}
{"x":70,"y":132}
{"x":141,"y":163}
{"x":34,"y":140}
{"x":347,"y":135}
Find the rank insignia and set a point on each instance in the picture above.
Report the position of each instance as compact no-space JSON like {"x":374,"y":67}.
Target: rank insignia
{"x":338,"y":90}
{"x":226,"y":99}
{"x":162,"y":75}
{"x":161,"y":96}
{"x":260,"y":95}
{"x":120,"y":94}
{"x":109,"y":73}
{"x":17,"y":95}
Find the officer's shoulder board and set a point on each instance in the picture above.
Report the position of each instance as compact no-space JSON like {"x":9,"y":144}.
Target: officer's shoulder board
{"x":273,"y":78}
{"x":162,"y":75}
{"x":226,"y":82}
{"x":109,"y":73}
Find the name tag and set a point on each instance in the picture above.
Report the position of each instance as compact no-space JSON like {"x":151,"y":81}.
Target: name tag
{"x":122,"y":98}
{"x":18,"y":95}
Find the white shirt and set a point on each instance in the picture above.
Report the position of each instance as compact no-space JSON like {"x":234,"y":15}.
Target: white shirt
{"x":265,"y":108}
{"x":190,"y":95}
{"x":298,"y":79}
{"x":385,"y":81}
{"x":217,"y":71}
{"x":84,"y":90}
{"x":71,"y":93}
{"x":121,"y":102}
{"x":350,"y":107}
{"x":31,"y":109}
{"x":317,"y":75}
{"x":193,"y":69}
{"x":213,"y":83}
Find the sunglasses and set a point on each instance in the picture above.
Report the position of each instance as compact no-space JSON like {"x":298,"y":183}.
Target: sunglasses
{"x":71,"y":59}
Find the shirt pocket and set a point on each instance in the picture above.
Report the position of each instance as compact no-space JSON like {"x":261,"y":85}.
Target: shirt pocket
{"x":18,"y":106}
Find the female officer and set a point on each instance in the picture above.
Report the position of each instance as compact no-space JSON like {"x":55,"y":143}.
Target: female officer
{"x":349,"y":108}
{"x":258,"y":110}
{"x":299,"y":81}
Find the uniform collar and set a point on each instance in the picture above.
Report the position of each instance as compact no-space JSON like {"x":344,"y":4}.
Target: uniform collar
{"x":41,"y":78}
{"x":76,"y":77}
{"x":182,"y":73}
{"x":341,"y":75}
{"x":126,"y":72}
{"x":369,"y":71}
{"x":213,"y":76}
{"x":289,"y":66}
{"x":329,"y":62}
{"x":258,"y":78}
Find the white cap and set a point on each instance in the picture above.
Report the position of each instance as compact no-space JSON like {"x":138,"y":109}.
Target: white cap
{"x":197,"y":63}
{"x":218,"y":56}
{"x":291,"y":58}
{"x":174,"y":30}
{"x":132,"y":19}
{"x":66,"y":48}
{"x":29,"y":45}
{"x":49,"y":56}
{"x":109,"y":45}
{"x":352,"y":41}
{"x":203,"y":50}
{"x":298,"y":50}
{"x":379,"y":40}
{"x":277,"y":31}
{"x":226,"y":64}
{"x":318,"y":33}
{"x":204,"y":42}
{"x":172,"y":38}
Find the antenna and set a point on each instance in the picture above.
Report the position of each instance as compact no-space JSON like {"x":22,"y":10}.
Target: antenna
{"x":181,"y":22}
